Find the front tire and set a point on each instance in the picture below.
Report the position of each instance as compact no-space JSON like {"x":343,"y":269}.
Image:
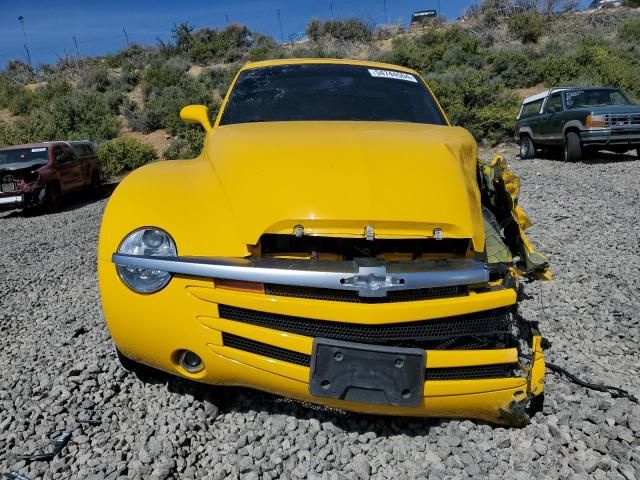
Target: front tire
{"x":51,"y":201}
{"x":96,"y":184}
{"x":572,"y":147}
{"x":527,"y":148}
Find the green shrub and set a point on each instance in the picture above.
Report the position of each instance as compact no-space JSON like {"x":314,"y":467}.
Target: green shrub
{"x":348,"y":29}
{"x":134,"y":54}
{"x":124,"y":154}
{"x":227,"y":45}
{"x":56,"y":88}
{"x":19,"y":72}
{"x":114,"y":99}
{"x":81,"y":116}
{"x":631,"y":3}
{"x":188,"y":145}
{"x":526,"y":26}
{"x":22,"y":101}
{"x":313,"y":29}
{"x":477,"y":102}
{"x":264,"y":49}
{"x":162,"y":108}
{"x":610,"y":65}
{"x":219,"y":78}
{"x":96,"y":79}
{"x":630,"y":30}
{"x":436,"y":50}
{"x":163,"y":73}
{"x":183,"y":36}
{"x":7,"y":89}
{"x":8,"y":134}
{"x":130,"y":76}
{"x":516,"y":68}
{"x":560,"y":70}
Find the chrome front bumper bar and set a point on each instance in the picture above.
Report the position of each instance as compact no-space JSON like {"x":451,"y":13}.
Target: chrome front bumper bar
{"x":370,"y":277}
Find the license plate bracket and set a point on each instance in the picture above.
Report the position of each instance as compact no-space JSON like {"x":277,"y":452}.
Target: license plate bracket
{"x":367,"y":373}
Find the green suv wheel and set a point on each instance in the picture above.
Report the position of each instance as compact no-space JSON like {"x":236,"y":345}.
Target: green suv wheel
{"x":572,"y":147}
{"x":527,"y":148}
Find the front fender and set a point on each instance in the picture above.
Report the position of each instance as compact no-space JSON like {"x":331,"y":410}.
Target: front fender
{"x":180,"y":196}
{"x":572,"y":124}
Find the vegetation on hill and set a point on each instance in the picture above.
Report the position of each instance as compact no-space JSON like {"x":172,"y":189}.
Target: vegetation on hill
{"x":476,"y":68}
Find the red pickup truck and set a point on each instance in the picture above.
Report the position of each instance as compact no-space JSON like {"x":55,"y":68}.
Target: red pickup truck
{"x":39,"y":174}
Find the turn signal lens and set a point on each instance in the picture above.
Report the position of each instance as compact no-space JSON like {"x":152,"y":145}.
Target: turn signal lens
{"x":596,"y":121}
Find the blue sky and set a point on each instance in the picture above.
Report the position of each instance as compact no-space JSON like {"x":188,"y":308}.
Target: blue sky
{"x":97,"y":25}
{"x":51,"y":24}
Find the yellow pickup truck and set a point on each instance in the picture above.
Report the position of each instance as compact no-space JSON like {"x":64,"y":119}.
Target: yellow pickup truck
{"x":336,"y":242}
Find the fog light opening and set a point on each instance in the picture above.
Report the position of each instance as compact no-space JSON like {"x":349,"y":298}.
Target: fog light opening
{"x":190,"y":361}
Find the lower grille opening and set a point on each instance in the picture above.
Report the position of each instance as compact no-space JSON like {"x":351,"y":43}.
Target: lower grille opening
{"x":259,"y":348}
{"x":432,"y":374}
{"x":471,"y":373}
{"x":488,"y":329}
{"x":354,"y":297}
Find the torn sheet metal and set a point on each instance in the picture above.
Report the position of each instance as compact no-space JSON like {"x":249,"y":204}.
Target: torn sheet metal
{"x":500,"y":187}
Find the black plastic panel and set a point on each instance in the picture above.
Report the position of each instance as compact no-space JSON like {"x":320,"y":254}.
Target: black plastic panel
{"x":367,"y":373}
{"x":352,"y":296}
{"x":241,"y":343}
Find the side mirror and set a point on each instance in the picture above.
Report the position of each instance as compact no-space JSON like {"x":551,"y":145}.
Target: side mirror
{"x":196,"y":114}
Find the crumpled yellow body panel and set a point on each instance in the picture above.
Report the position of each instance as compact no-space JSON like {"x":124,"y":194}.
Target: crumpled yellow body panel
{"x":501,"y":187}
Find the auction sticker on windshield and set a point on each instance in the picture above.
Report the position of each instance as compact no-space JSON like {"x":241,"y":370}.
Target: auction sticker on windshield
{"x":391,"y":74}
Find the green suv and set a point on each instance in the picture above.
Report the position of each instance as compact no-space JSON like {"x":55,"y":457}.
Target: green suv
{"x":578,"y":119}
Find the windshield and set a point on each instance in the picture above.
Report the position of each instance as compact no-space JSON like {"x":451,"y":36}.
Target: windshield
{"x":594,"y":98}
{"x":24,"y":155}
{"x":329,"y":92}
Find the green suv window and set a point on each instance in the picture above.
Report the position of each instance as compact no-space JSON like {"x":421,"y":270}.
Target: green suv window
{"x":554,"y":104}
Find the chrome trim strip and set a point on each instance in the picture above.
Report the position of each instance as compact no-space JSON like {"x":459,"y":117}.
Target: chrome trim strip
{"x":370,"y":277}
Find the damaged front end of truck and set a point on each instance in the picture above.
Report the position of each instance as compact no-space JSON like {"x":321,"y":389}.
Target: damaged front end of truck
{"x":369,"y":266}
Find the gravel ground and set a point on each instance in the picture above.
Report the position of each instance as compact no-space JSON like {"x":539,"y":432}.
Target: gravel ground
{"x":57,"y":365}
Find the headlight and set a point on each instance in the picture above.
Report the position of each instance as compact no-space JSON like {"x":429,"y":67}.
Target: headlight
{"x":152,"y":242}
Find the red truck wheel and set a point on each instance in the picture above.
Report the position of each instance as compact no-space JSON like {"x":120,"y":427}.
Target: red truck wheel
{"x":96,"y":184}
{"x":51,"y":202}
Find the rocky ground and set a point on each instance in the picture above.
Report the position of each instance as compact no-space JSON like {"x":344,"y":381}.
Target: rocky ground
{"x":58,"y":368}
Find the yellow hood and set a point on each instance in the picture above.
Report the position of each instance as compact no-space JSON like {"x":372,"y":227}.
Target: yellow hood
{"x":335,"y":178}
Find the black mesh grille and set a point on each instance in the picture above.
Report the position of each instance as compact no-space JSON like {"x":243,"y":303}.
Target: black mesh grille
{"x":353,"y":297}
{"x":470,"y":373}
{"x":265,"y":350}
{"x":489,"y":323}
{"x":457,"y":373}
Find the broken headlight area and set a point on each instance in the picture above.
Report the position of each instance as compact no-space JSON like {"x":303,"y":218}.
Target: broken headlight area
{"x":16,"y":181}
{"x":506,"y":221}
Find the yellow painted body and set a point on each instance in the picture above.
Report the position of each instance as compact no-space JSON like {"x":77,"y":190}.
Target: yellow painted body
{"x":334,"y":178}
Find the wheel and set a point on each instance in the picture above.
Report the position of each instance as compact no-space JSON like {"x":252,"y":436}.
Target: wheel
{"x":527,"y":148}
{"x":572,"y":147}
{"x":51,"y":201}
{"x":96,"y":184}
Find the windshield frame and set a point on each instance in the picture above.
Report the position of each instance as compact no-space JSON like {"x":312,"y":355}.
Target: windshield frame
{"x":592,"y":89}
{"x":356,"y":63}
